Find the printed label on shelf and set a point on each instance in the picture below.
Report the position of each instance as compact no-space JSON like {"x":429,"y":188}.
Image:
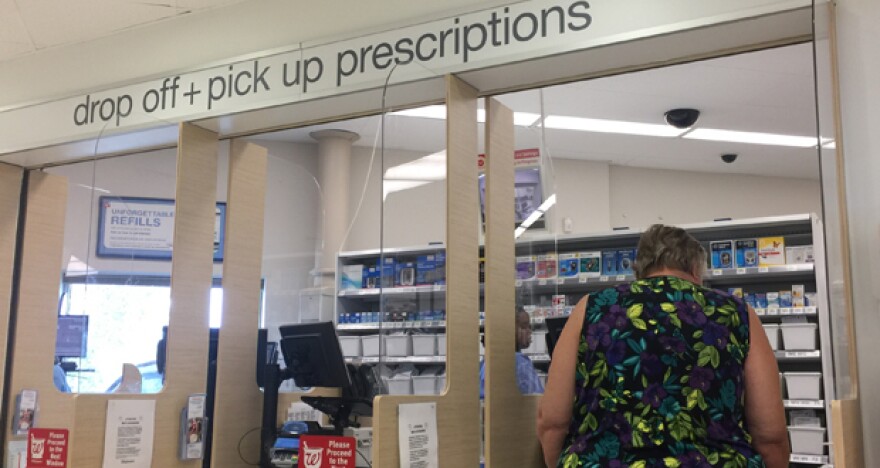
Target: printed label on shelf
{"x":582,"y":279}
{"x":621,"y":277}
{"x":798,"y":458}
{"x":784,"y":311}
{"x":760,"y":312}
{"x":717,"y":272}
{"x":740,"y":271}
{"x":804,"y":403}
{"x":603,"y":279}
{"x":763,"y":270}
{"x":518,"y":283}
{"x":772,"y":311}
{"x":542,"y":282}
{"x":810,"y":310}
{"x":560,"y":280}
{"x":792,"y":267}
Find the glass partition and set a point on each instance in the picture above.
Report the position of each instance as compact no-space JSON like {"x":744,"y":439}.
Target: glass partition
{"x":726,"y":148}
{"x":114,"y":303}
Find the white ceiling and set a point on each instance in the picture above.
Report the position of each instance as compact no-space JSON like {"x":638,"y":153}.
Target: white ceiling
{"x":28,"y":26}
{"x":769,"y":91}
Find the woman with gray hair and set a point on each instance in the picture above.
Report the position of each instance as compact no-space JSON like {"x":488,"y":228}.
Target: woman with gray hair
{"x":663,"y":372}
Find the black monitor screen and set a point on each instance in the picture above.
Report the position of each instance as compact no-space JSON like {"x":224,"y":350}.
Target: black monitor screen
{"x":312,"y":355}
{"x":554,"y":330}
{"x":72,"y":337}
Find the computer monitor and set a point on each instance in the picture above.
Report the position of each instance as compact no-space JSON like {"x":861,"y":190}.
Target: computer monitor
{"x":72,"y":337}
{"x":554,"y":330}
{"x":313,"y":357}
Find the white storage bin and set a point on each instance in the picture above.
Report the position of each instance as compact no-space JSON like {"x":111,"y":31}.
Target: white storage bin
{"x":798,"y":336}
{"x":539,"y":342}
{"x":398,"y":345}
{"x":370,"y":345}
{"x":441,"y":383}
{"x":772,"y":331}
{"x":424,"y":345}
{"x":803,"y":385}
{"x":424,"y":384}
{"x":441,"y":344}
{"x":807,"y":440}
{"x":351,"y":346}
{"x":400,"y":385}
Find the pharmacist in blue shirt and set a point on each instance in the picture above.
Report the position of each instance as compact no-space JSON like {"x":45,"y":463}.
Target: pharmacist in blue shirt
{"x":526,"y":377}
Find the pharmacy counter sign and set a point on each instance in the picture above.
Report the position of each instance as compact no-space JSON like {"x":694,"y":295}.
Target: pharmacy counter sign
{"x":143,"y":228}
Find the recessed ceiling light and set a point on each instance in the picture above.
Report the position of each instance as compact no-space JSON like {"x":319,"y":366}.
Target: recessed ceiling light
{"x":757,"y":138}
{"x":582,"y":124}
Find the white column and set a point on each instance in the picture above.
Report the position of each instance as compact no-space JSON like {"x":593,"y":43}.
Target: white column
{"x":334,"y":166}
{"x":859,"y":65}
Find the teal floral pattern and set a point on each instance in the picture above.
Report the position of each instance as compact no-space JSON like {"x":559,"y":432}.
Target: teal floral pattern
{"x":659,"y":382}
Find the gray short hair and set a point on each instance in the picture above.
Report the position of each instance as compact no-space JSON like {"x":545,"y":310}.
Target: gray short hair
{"x":668,"y":247}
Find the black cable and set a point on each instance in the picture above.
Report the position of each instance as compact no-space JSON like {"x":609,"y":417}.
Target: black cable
{"x":239,"y":447}
{"x":364,"y":457}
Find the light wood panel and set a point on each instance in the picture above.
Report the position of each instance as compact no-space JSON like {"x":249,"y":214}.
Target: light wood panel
{"x":238,"y":403}
{"x":458,"y":408}
{"x":510,"y":434}
{"x":847,"y":422}
{"x":10,"y":199}
{"x":191,"y":271}
{"x":36,"y":315}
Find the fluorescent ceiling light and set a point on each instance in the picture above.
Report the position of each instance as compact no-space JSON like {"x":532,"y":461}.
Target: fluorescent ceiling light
{"x":562,"y":122}
{"x":829,"y":144}
{"x":518,"y":232}
{"x":757,"y":138}
{"x":522,"y":119}
{"x":549,"y":202}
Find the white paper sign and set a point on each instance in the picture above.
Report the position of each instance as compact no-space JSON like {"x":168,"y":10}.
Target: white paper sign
{"x":16,"y":454}
{"x":128,"y":436}
{"x":417,"y":431}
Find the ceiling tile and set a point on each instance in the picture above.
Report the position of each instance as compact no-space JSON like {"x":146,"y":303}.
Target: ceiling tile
{"x":54,"y":23}
{"x":11,"y":27}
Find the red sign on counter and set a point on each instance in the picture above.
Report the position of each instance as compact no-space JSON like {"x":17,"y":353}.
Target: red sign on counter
{"x":326,"y":452}
{"x":47,"y":447}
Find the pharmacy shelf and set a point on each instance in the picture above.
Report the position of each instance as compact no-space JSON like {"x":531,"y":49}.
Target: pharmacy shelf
{"x":808,"y":459}
{"x":397,"y":360}
{"x":539,"y":358}
{"x":787,"y":311}
{"x":804,"y":404}
{"x":375,"y":326}
{"x":797,"y":269}
{"x":396,"y":291}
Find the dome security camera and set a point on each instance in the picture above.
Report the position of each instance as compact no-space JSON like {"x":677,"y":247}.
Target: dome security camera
{"x":729,"y":157}
{"x":682,"y":118}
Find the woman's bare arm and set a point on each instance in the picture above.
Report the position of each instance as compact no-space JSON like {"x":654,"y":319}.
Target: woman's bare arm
{"x":555,"y":411}
{"x":765,"y":414}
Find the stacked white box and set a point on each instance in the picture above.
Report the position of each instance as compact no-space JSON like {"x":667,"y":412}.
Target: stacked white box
{"x":772,"y":331}
{"x":424,"y":345}
{"x":399,"y":385}
{"x":798,"y":336}
{"x":441,"y":383}
{"x":441,"y":344}
{"x":807,"y":440}
{"x":370,"y":345}
{"x":351,"y":346}
{"x":803,"y":385}
{"x":424,"y":384}
{"x":398,"y":345}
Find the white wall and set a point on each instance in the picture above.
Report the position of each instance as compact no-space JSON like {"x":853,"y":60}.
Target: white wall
{"x":411,"y":218}
{"x":582,"y":194}
{"x":641,"y":197}
{"x":859,"y":66}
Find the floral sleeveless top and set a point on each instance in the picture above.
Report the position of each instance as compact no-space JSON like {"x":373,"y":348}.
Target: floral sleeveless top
{"x":659,"y":380}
